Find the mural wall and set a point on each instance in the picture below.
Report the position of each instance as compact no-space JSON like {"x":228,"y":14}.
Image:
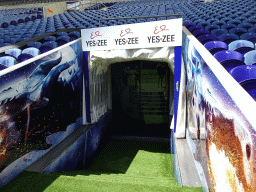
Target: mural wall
{"x":40,"y":105}
{"x":223,"y":138}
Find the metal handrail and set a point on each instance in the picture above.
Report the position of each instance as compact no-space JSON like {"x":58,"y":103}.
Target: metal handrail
{"x":151,"y":16}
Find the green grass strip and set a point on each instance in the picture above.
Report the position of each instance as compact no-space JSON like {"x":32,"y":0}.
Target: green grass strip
{"x":120,"y":165}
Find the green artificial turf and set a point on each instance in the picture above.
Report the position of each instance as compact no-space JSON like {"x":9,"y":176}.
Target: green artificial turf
{"x":120,"y":165}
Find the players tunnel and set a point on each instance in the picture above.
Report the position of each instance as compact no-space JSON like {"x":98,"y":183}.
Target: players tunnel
{"x":142,"y":89}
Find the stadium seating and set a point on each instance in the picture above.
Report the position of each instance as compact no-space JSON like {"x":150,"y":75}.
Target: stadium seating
{"x":250,"y":58}
{"x":215,"y":46}
{"x":14,"y":52}
{"x":23,"y":57}
{"x":31,"y":51}
{"x":218,"y":25}
{"x":51,"y":44}
{"x":243,"y":73}
{"x":229,"y":59}
{"x":35,"y":44}
{"x":7,"y":61}
{"x":241,"y":46}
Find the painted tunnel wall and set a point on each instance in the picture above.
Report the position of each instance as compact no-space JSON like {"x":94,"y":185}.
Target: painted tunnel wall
{"x":220,"y":123}
{"x":80,"y":152}
{"x":40,"y":105}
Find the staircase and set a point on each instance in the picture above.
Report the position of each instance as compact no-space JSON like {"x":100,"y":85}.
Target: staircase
{"x":154,"y":107}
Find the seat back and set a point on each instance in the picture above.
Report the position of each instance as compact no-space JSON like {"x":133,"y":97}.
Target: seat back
{"x":250,"y":58}
{"x":243,"y":73}
{"x":14,"y":52}
{"x":35,"y":44}
{"x":7,"y":61}
{"x":23,"y":57}
{"x":51,"y":44}
{"x":32,"y":51}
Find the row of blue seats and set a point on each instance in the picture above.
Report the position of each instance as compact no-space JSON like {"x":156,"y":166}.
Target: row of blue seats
{"x":90,"y":18}
{"x":226,"y":41}
{"x":20,"y":11}
{"x":15,"y":55}
{"x":245,"y":75}
{"x":14,"y":20}
{"x":227,"y":33}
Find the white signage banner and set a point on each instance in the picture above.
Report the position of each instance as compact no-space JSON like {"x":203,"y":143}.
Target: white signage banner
{"x":139,"y":35}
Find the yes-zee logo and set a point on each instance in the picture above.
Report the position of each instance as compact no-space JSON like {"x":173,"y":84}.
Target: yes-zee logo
{"x":93,"y":43}
{"x":95,"y":34}
{"x":126,"y":41}
{"x":163,"y":38}
{"x":125,"y":32}
{"x":160,"y":29}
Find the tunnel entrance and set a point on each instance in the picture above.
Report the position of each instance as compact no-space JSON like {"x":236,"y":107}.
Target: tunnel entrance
{"x":140,"y":98}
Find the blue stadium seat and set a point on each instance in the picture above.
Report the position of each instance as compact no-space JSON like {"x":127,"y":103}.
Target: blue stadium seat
{"x":250,"y":58}
{"x":215,"y":46}
{"x":206,"y":38}
{"x":241,"y":18}
{"x":4,"y":25}
{"x":14,"y":52}
{"x":226,"y":19}
{"x":32,"y":51}
{"x":51,"y":44}
{"x":238,"y":31}
{"x":228,"y":26}
{"x":235,"y":22}
{"x":50,"y":38}
{"x":241,"y":46}
{"x":195,"y":27}
{"x":62,"y":34}
{"x":249,"y":36}
{"x":21,"y":21}
{"x":75,"y":33}
{"x":35,"y":44}
{"x":246,"y":77}
{"x":204,"y":23}
{"x":7,"y":61}
{"x":247,"y":26}
{"x":220,"y":23}
{"x":44,"y":49}
{"x":212,"y":27}
{"x":188,"y":24}
{"x":23,"y":57}
{"x":62,"y":40}
{"x":251,"y":20}
{"x":212,"y":20}
{"x":252,"y":30}
{"x":199,"y":32}
{"x":218,"y":32}
{"x":13,"y":23}
{"x":229,"y":59}
{"x":228,"y":38}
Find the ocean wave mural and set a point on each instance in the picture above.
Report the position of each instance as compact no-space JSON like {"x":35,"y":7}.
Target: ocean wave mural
{"x":40,"y":105}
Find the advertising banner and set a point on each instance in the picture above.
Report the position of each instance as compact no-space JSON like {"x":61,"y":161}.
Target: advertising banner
{"x":40,"y":105}
{"x":132,"y":36}
{"x":220,"y":122}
